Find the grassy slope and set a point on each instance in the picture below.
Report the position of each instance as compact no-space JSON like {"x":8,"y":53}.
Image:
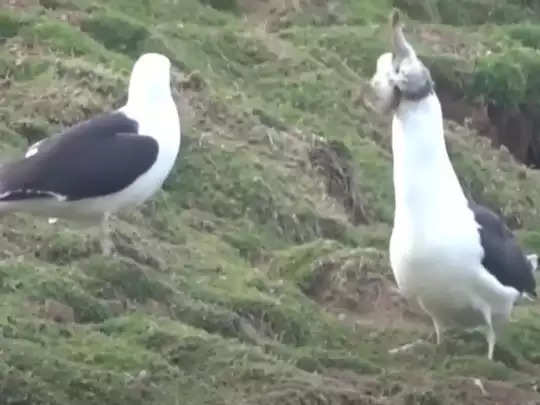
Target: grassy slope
{"x":259,"y":274}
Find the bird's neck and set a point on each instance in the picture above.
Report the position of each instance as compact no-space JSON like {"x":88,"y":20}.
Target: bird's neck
{"x":424,"y":179}
{"x":157,"y":117}
{"x":149,"y":98}
{"x":151,"y":104}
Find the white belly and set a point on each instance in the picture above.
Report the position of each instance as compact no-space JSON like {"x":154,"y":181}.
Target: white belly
{"x":424,"y":265}
{"x":442,"y":268}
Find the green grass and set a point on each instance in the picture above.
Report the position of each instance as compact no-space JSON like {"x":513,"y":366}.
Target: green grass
{"x":259,"y":274}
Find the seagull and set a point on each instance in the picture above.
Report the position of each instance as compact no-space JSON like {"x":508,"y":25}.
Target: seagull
{"x":457,"y":259}
{"x":95,"y":168}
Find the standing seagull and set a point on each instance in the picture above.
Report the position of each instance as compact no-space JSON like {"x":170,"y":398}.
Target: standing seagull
{"x":457,"y":259}
{"x":109,"y":162}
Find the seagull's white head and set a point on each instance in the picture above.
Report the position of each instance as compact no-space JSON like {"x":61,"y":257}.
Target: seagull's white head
{"x":150,"y":79}
{"x":400,"y":74}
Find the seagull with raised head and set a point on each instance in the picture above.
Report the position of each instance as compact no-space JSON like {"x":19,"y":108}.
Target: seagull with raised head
{"x":97,"y":167}
{"x":456,"y":258}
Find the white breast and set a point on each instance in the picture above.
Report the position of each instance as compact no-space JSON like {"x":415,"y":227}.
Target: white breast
{"x":435,"y":245}
{"x":162,"y":123}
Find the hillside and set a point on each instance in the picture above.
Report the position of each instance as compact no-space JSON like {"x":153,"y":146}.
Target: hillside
{"x":259,"y":275}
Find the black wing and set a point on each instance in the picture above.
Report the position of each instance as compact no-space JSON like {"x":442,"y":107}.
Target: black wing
{"x":502,"y":255}
{"x":95,"y":158}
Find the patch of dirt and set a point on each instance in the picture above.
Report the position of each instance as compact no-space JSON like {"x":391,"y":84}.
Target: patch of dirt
{"x":515,"y":128}
{"x":58,"y":311}
{"x":333,"y":161}
{"x":353,"y":286}
{"x":20,"y":3}
{"x":277,"y":13}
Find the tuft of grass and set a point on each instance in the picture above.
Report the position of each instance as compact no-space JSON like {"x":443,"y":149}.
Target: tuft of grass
{"x":527,"y":34}
{"x":116,"y":32}
{"x":501,"y":79}
{"x":66,"y":39}
{"x":10,"y":24}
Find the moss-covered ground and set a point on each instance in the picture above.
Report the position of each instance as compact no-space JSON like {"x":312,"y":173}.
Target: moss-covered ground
{"x":259,"y":275}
